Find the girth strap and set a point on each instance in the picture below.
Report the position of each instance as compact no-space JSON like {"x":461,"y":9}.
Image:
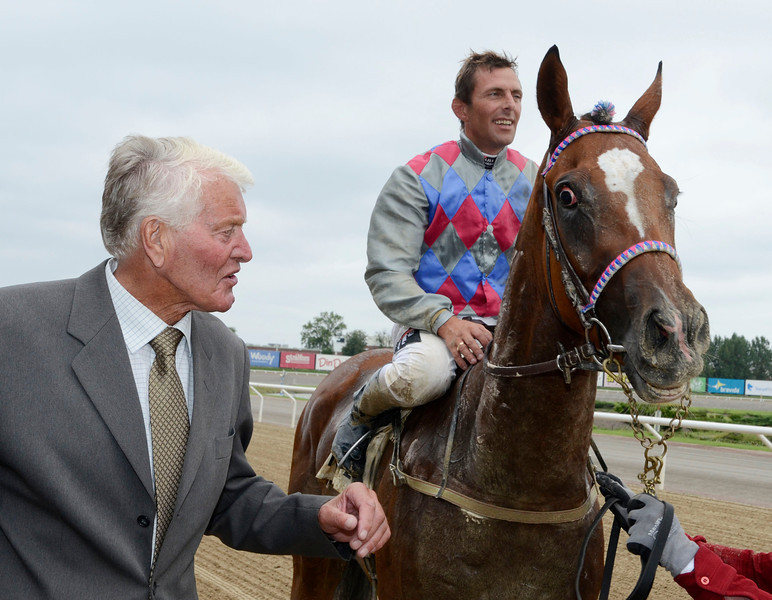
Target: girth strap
{"x":491,"y":511}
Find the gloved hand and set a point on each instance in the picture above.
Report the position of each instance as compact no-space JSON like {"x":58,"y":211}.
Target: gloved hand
{"x":613,"y":486}
{"x":645,"y":514}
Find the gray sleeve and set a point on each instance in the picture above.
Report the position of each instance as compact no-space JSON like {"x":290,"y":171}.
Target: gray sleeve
{"x":394,"y":243}
{"x":255,"y":514}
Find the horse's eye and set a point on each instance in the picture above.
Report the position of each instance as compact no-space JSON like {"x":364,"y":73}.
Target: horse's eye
{"x":567,"y":196}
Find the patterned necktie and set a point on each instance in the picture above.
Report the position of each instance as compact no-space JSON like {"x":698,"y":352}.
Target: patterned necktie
{"x":169,"y":427}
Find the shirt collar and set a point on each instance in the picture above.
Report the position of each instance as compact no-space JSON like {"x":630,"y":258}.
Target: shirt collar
{"x":473,"y":153}
{"x":138,"y":323}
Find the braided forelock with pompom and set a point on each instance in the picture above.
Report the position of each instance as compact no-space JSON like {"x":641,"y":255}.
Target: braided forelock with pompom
{"x":602,"y":113}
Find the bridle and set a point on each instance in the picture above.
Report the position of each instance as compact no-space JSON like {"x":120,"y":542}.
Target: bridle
{"x":583,"y":302}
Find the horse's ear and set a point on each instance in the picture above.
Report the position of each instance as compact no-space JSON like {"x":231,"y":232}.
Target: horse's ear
{"x":552,"y":93}
{"x":642,"y":113}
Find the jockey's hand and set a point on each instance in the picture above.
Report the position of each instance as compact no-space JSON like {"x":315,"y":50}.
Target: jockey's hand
{"x":645,"y":513}
{"x":466,"y":340}
{"x":356,"y":517}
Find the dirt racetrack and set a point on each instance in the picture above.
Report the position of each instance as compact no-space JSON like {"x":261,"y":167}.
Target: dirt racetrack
{"x":225,"y":574}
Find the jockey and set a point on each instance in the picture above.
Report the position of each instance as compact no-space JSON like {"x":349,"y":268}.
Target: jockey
{"x":439,"y":250}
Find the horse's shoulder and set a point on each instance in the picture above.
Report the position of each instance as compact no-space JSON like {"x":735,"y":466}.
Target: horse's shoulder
{"x":428,"y":427}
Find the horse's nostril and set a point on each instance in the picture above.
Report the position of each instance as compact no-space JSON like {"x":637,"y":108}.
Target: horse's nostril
{"x":660,"y":329}
{"x":699,"y":331}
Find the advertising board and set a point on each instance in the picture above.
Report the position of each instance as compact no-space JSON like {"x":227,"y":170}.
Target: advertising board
{"x":754,"y":387}
{"x":698,"y":384}
{"x":297,"y":360}
{"x":328,"y":362}
{"x":720,"y":385}
{"x":263,"y":358}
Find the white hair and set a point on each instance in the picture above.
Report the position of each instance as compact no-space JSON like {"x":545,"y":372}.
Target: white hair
{"x":162,"y":177}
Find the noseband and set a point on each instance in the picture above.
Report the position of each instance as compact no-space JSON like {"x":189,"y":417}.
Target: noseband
{"x":625,"y":257}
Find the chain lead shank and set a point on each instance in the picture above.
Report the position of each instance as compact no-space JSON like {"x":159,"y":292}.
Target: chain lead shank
{"x":653,"y":462}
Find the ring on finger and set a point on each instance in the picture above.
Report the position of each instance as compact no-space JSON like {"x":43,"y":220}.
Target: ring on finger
{"x":460,"y":345}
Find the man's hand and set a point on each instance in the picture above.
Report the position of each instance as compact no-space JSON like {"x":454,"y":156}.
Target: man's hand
{"x":613,"y":487}
{"x":356,"y":517}
{"x":645,"y":513}
{"x":466,"y":340}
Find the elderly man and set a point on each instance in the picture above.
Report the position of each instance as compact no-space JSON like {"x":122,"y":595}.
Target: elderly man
{"x":124,"y":405}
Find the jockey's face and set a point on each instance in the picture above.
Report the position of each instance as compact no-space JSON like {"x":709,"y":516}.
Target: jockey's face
{"x":490,"y":119}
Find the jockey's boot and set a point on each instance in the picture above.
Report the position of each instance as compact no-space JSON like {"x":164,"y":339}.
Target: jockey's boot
{"x":350,"y":444}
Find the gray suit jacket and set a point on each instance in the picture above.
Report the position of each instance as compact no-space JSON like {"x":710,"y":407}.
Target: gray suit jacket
{"x":76,"y":494}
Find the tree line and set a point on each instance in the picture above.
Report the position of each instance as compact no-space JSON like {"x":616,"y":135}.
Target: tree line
{"x":737,"y":358}
{"x":327,"y":328}
{"x":729,"y":357}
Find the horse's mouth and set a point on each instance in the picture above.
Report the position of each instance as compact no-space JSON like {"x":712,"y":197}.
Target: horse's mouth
{"x":659,"y":395}
{"x":666,"y":380}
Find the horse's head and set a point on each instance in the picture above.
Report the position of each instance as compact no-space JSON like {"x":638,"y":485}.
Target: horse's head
{"x":611,"y":209}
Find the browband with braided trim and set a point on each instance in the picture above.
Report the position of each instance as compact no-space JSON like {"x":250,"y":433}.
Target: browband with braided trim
{"x":611,"y":128}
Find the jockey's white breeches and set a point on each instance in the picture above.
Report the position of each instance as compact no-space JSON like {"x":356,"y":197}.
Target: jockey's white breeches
{"x":419,"y":372}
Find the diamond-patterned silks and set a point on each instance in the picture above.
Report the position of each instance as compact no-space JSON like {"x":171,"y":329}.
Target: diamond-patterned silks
{"x":169,"y":426}
{"x":474,"y":216}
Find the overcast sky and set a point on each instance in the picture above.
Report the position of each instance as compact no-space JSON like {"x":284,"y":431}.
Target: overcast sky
{"x":322,"y":100}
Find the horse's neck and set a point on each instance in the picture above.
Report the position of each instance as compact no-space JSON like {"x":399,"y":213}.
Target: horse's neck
{"x":528,"y":330}
{"x":533,"y":430}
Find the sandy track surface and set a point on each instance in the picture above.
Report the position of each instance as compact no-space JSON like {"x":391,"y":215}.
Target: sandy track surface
{"x":225,"y":574}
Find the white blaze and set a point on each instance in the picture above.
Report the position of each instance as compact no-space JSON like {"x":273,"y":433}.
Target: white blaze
{"x":622,"y":167}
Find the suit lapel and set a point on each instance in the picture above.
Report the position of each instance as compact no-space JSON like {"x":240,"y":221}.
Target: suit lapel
{"x":104,"y":371}
{"x":204,"y":397}
{"x":103,"y":368}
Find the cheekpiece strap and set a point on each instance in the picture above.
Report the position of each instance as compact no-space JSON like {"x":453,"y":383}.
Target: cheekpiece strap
{"x":610,"y":128}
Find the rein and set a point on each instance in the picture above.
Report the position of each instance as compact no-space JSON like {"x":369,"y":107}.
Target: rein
{"x":565,"y":362}
{"x":649,"y":565}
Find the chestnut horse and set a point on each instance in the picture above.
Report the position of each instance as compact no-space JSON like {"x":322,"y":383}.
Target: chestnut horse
{"x":502,"y":458}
